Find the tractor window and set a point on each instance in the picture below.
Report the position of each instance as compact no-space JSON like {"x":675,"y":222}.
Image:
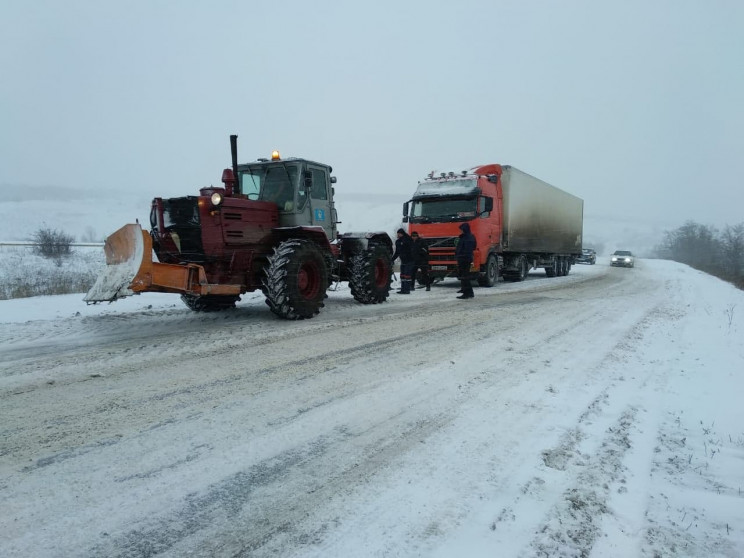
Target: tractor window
{"x":301,"y":195}
{"x":320,"y":184}
{"x":275,"y":183}
{"x":250,"y":185}
{"x":278,"y":186}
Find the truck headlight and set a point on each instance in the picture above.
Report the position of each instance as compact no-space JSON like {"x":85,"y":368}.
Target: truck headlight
{"x":216,"y":198}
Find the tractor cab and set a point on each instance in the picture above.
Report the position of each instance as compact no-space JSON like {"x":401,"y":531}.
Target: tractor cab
{"x":301,"y":189}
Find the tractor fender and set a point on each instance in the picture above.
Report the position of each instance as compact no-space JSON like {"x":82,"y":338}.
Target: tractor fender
{"x":352,"y":243}
{"x":316,"y":234}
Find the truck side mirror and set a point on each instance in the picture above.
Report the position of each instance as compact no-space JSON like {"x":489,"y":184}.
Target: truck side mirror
{"x":333,"y":180}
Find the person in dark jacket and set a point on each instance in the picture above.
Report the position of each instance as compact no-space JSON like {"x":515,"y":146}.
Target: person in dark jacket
{"x":404,"y":251}
{"x":420,"y":261}
{"x":466,"y":245}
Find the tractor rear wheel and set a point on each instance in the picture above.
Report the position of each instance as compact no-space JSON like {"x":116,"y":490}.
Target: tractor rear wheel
{"x":296,"y":280}
{"x":369,"y":274}
{"x":209,"y":303}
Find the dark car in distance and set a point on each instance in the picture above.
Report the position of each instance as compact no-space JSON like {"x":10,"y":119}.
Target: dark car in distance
{"x":588,"y":256}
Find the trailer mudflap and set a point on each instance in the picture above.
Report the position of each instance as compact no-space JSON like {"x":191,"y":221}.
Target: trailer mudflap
{"x":130,"y":270}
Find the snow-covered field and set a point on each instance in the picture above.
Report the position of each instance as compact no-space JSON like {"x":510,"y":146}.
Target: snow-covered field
{"x":597,"y":414}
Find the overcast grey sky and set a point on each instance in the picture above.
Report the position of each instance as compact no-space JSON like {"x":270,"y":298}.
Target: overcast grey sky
{"x":635,"y":106}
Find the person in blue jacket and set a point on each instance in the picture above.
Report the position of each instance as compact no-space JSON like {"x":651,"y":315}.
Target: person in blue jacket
{"x":404,"y":251}
{"x":466,"y":245}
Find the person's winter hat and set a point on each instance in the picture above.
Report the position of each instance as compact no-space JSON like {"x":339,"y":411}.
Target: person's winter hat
{"x":401,"y":231}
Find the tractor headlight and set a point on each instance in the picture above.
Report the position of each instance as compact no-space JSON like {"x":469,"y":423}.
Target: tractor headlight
{"x":216,"y":199}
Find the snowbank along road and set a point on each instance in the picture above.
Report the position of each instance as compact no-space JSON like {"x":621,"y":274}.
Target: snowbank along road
{"x":542,"y":418}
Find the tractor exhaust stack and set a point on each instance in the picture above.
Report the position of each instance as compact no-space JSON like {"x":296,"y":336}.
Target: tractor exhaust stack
{"x":234,"y":154}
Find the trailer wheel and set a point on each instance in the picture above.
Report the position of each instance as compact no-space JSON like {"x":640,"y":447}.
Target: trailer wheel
{"x":560,"y":266}
{"x":524,"y":268}
{"x":491,"y":275}
{"x":296,"y":280}
{"x":369,"y":274}
{"x":209,"y":303}
{"x":550,"y":270}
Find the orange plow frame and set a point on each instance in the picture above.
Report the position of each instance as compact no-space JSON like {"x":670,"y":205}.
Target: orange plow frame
{"x":130,"y":270}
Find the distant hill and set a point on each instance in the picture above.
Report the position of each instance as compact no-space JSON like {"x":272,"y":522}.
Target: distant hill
{"x":85,"y":215}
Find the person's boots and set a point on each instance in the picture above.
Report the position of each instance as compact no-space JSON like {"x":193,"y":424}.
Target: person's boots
{"x":405,"y":287}
{"x":465,"y":289}
{"x":428,"y":286}
{"x":467,"y":293}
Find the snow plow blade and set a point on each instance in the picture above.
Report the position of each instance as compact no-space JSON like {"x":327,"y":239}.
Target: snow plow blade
{"x":130,"y":270}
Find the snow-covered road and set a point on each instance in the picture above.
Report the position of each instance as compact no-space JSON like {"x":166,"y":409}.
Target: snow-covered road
{"x":545,"y":418}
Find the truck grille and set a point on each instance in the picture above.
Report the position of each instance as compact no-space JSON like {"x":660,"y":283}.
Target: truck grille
{"x":441,"y":242}
{"x":441,"y":249}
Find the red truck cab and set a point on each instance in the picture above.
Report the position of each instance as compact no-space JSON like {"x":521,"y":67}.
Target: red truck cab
{"x":442,"y":203}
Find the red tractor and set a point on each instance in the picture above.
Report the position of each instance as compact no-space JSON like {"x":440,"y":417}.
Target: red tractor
{"x":272,"y":226}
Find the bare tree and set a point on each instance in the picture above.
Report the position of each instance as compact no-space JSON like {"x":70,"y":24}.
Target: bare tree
{"x":704,"y":248}
{"x":53,"y":244}
{"x":732,"y":250}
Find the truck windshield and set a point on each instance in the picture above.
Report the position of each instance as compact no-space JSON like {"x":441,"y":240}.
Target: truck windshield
{"x":275,"y":183}
{"x":443,"y":209}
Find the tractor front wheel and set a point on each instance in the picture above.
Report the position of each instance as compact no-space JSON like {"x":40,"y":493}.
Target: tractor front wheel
{"x":296,"y":280}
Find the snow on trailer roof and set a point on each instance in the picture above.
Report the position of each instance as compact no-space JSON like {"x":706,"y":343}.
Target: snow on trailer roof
{"x":463,"y":183}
